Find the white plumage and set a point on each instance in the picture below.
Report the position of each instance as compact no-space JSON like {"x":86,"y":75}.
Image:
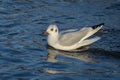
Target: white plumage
{"x":71,"y":39}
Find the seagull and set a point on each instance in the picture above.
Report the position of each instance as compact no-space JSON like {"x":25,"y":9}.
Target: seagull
{"x":71,"y":39}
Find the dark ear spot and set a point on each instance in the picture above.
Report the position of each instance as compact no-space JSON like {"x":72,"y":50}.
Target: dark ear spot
{"x":56,"y":30}
{"x":51,"y":29}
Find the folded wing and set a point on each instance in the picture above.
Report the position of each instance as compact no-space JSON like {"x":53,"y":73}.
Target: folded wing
{"x":71,"y":37}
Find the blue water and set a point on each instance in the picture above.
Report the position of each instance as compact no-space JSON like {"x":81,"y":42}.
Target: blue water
{"x":24,"y":54}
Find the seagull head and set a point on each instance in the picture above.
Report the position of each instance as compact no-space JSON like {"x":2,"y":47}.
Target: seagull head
{"x":52,"y":29}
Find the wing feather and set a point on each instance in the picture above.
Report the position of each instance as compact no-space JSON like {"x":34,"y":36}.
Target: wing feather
{"x":72,"y":37}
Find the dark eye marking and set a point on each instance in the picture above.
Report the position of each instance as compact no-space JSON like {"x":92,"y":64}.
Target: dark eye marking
{"x":56,"y":30}
{"x":52,"y":29}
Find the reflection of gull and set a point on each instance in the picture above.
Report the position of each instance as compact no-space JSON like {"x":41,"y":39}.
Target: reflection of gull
{"x":71,"y":39}
{"x":84,"y":55}
{"x":53,"y":54}
{"x":59,"y":71}
{"x":91,"y":55}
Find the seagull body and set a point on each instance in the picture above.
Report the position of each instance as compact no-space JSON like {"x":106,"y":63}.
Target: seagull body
{"x":71,"y":39}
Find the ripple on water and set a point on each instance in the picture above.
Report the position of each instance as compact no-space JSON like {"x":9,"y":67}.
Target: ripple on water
{"x":23,"y":51}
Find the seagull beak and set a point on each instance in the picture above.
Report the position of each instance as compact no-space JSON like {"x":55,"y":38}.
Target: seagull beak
{"x":45,"y":32}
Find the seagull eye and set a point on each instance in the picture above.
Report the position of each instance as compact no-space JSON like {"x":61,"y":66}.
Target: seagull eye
{"x":52,"y":29}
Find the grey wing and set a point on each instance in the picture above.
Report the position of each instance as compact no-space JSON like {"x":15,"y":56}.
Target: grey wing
{"x":68,"y":31}
{"x":72,"y":37}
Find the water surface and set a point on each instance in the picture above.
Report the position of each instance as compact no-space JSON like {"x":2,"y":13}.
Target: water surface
{"x":23,"y":51}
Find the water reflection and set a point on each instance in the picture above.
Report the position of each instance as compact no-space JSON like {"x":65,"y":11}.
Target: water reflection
{"x":81,"y":54}
{"x":87,"y":54}
{"x":90,"y":55}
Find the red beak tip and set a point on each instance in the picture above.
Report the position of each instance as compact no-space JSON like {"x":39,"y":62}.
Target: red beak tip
{"x":45,"y":32}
